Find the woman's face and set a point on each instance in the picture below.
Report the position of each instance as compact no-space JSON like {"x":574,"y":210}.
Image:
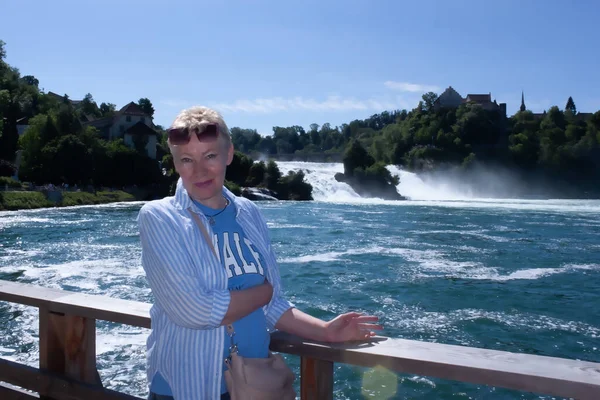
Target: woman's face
{"x":201,"y":164}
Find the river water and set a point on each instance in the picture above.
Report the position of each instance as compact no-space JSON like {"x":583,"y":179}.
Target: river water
{"x":506,"y":274}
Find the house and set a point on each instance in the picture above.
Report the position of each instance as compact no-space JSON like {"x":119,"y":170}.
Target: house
{"x":127,"y":124}
{"x":450,"y":98}
{"x":60,"y":98}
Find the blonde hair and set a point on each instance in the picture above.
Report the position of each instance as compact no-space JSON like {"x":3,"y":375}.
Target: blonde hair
{"x":197,"y":117}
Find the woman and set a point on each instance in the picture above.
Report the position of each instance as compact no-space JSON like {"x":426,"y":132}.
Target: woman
{"x":198,"y":292}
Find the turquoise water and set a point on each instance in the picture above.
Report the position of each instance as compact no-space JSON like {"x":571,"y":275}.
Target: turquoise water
{"x":511,"y":275}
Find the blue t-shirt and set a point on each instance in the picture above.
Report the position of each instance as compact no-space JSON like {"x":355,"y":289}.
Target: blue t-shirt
{"x":244,"y":266}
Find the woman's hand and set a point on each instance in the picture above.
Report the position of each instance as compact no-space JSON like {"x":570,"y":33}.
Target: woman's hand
{"x":351,"y":326}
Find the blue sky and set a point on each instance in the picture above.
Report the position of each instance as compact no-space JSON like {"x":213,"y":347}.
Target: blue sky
{"x":282,"y":63}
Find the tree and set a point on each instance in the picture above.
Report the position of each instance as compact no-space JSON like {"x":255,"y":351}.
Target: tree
{"x":107,"y":109}
{"x":30,"y":80}
{"x":429,"y":99}
{"x":146,"y":106}
{"x":237,"y":172}
{"x":49,"y":132}
{"x":256,"y":176}
{"x":356,"y":157}
{"x":272,"y":175}
{"x":2,"y":51}
{"x":89,"y":106}
{"x":571,"y":106}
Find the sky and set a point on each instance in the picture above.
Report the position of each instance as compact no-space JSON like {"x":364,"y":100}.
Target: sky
{"x":282,"y":63}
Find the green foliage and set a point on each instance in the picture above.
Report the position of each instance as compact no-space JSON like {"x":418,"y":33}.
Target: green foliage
{"x":23,"y":200}
{"x":234,"y":188}
{"x":257,"y":174}
{"x":243,"y":171}
{"x":356,"y":157}
{"x":107,"y":109}
{"x":272,"y":176}
{"x":293,"y":187}
{"x":571,"y":106}
{"x":146,"y":106}
{"x":88,"y":107}
{"x":429,"y":99}
{"x":81,"y":198}
{"x":245,"y":140}
{"x":239,"y":169}
{"x":2,"y":50}
{"x":10,"y":182}
{"x":376,"y":173}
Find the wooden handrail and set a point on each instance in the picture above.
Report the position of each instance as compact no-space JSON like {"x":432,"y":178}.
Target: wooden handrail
{"x":532,"y":373}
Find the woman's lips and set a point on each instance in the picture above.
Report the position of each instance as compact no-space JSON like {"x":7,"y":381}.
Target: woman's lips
{"x":203,"y":184}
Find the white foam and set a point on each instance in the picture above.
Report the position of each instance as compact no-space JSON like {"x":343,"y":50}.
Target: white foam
{"x":416,"y":189}
{"x":421,"y":193}
{"x":414,"y":319}
{"x":528,"y":274}
{"x":274,"y":225}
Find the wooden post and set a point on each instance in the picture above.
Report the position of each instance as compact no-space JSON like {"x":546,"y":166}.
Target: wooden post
{"x":68,"y":346}
{"x":316,"y":379}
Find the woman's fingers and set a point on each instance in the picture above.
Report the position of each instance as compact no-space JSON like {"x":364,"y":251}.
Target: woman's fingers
{"x":366,"y":318}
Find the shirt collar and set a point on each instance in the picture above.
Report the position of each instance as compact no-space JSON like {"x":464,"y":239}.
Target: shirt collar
{"x":183,"y":201}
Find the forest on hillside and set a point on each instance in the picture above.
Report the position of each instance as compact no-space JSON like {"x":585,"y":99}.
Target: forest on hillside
{"x":561,"y":144}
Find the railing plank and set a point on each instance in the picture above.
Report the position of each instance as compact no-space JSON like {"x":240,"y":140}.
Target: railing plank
{"x":531,"y":373}
{"x":316,"y":379}
{"x":53,"y":385}
{"x":13,"y":393}
{"x":103,"y":308}
{"x":68,"y":346}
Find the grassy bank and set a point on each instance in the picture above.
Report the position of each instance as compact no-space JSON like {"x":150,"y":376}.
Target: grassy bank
{"x":23,"y":200}
{"x":82,"y":198}
{"x":30,"y":200}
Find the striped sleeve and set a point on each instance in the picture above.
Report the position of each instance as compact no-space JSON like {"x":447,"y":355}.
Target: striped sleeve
{"x":169,"y":271}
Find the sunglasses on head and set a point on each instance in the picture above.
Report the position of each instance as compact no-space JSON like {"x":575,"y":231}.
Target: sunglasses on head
{"x":180,"y":136}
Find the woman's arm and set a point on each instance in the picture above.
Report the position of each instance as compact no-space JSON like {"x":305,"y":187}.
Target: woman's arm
{"x":343,"y":328}
{"x":282,"y":315}
{"x":246,"y":301}
{"x":301,"y":324}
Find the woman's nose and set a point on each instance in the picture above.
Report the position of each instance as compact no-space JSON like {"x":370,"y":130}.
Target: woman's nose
{"x":199,"y":167}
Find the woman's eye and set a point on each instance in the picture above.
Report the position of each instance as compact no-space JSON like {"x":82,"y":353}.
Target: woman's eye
{"x":211,"y":156}
{"x":186,"y":160}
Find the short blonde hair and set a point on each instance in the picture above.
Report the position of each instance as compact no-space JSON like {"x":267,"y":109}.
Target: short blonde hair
{"x":198,"y":117}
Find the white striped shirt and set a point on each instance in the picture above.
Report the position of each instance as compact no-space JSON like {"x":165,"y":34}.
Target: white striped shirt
{"x":190,"y":292}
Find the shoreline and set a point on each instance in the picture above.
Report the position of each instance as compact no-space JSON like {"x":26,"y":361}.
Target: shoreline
{"x":31,"y":200}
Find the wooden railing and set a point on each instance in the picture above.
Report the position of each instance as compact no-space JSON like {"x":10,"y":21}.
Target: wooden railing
{"x":67,"y":367}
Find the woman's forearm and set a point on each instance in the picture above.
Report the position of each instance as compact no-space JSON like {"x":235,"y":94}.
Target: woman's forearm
{"x":244,"y":302}
{"x":301,"y":324}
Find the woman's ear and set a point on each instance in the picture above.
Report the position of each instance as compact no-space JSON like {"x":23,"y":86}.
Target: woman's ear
{"x":230,"y":152}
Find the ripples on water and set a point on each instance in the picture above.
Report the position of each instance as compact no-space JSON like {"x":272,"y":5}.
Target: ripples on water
{"x":508,"y":275}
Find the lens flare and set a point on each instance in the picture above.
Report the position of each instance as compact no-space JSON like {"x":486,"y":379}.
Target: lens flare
{"x":379,"y":383}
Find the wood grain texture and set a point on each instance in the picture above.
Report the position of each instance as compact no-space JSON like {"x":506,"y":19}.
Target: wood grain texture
{"x":531,"y":373}
{"x":316,"y":379}
{"x":104,"y":308}
{"x":55,"y":386}
{"x":8,"y":392}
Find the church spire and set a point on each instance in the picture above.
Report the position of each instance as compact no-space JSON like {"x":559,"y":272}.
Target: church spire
{"x":522,"y":101}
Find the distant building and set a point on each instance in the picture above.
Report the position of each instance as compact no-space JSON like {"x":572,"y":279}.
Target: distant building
{"x":579,"y":116}
{"x":450,"y":98}
{"x":127,"y":123}
{"x":58,"y":97}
